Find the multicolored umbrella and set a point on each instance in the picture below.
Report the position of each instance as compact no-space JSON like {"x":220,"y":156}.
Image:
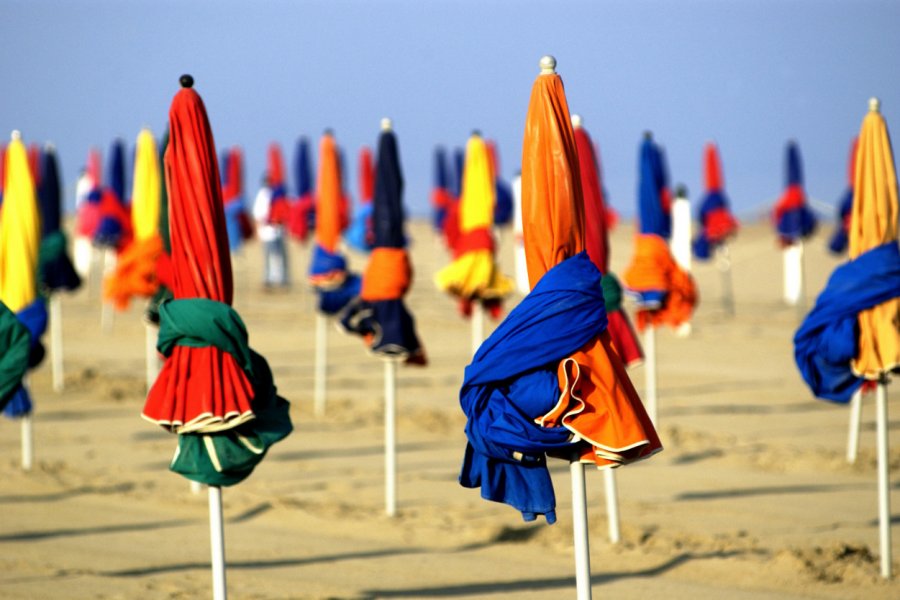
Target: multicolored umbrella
{"x":717,"y":224}
{"x":597,"y":246}
{"x":135,"y":272}
{"x":852,"y":333}
{"x":56,"y":270}
{"x":654,"y":196}
{"x":237,"y":221}
{"x":303,"y":213}
{"x":840,"y":238}
{"x":360,"y":235}
{"x":474,"y":276}
{"x":440,"y":190}
{"x":794,"y":220}
{"x":114,"y":225}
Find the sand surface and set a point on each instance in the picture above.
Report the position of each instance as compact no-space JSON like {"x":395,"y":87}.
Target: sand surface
{"x":752,"y":497}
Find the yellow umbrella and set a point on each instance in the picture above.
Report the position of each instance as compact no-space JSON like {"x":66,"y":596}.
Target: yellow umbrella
{"x":873,"y":222}
{"x":20,"y":231}
{"x":474,"y":274}
{"x":145,"y":193}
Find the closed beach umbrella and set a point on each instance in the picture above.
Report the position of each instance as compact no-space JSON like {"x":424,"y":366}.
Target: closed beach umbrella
{"x":503,"y":204}
{"x":359,"y":233}
{"x":794,"y":220}
{"x":717,"y":224}
{"x":840,"y":238}
{"x":56,"y":270}
{"x":114,"y":225}
{"x":440,"y":189}
{"x":303,"y":213}
{"x":237,"y":221}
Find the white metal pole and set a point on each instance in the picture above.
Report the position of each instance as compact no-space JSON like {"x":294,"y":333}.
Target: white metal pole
{"x":217,"y":542}
{"x":56,"y":344}
{"x":650,"y":372}
{"x":27,"y":442}
{"x":855,"y":418}
{"x":477,"y":325}
{"x":723,"y":262}
{"x":152,"y":362}
{"x":321,"y":366}
{"x":580,"y":531}
{"x":106,"y":309}
{"x":884,"y":500}
{"x":390,"y":437}
{"x":612,"y":505}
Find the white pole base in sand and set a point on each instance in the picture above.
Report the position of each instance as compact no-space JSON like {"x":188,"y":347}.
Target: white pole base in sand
{"x":580,"y":531}
{"x":107,"y":312}
{"x":650,"y":373}
{"x":390,"y":437}
{"x":217,"y":542}
{"x":477,"y":325}
{"x":27,"y":442}
{"x":793,"y":274}
{"x":884,"y":484}
{"x":612,"y":505}
{"x":321,"y":365}
{"x":57,"y":368}
{"x":723,"y":264}
{"x":855,"y":418}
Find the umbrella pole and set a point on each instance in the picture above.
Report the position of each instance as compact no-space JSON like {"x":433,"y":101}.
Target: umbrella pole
{"x":27,"y":442}
{"x":106,"y":309}
{"x":612,"y":505}
{"x":390,"y":437}
{"x":723,"y":262}
{"x":580,"y":531}
{"x":321,"y":366}
{"x":477,"y":325}
{"x":56,"y":343}
{"x":152,"y":362}
{"x":884,"y":500}
{"x":217,"y":542}
{"x":855,"y":417}
{"x":650,"y":371}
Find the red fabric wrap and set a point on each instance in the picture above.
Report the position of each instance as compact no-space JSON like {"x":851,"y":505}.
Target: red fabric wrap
{"x":477,"y":239}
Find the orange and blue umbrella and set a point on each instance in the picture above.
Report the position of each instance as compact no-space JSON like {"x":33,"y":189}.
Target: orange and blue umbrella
{"x":840,"y":238}
{"x":794,"y":220}
{"x":717,"y":224}
{"x":56,"y":269}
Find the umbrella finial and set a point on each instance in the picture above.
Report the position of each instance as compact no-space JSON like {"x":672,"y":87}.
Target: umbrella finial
{"x":15,"y":135}
{"x":476,"y":133}
{"x":50,"y":147}
{"x":186,"y":81}
{"x":548,"y":65}
{"x":576,"y":121}
{"x":387,"y":124}
{"x":681,"y":191}
{"x":874,"y":104}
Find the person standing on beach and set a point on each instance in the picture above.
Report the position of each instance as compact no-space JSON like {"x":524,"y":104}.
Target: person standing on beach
{"x":270,"y":229}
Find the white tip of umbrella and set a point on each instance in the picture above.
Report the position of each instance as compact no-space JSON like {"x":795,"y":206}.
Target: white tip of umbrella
{"x":387,"y":124}
{"x":548,"y":65}
{"x":50,"y":147}
{"x":874,"y":105}
{"x":576,"y":121}
{"x":15,"y":135}
{"x":476,"y":133}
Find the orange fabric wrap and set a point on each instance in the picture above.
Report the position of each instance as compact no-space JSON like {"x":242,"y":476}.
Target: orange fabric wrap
{"x":328,"y":196}
{"x":653,"y":268}
{"x":135,"y":273}
{"x":599,"y":404}
{"x":387,"y":275}
{"x":552,"y":206}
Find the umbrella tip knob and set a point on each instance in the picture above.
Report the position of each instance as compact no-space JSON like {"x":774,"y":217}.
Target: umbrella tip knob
{"x":387,"y":124}
{"x":576,"y":121}
{"x":50,"y":147}
{"x":476,"y":133}
{"x":15,"y":135}
{"x":874,"y":105}
{"x":548,"y":65}
{"x":186,"y":81}
{"x":681,"y":191}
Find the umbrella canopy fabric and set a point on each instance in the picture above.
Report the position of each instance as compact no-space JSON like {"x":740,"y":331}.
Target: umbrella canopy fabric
{"x":114,"y":225}
{"x":56,"y":269}
{"x":841,"y":236}
{"x":596,"y":242}
{"x":654,"y":197}
{"x":20,"y":238}
{"x":873,"y":223}
{"x":451,"y":218}
{"x":794,"y":220}
{"x":359,"y":234}
{"x":303,"y":211}
{"x":15,"y":339}
{"x":87,"y":197}
{"x":379,"y":314}
{"x":279,"y":205}
{"x":135,"y":272}
{"x":503,"y":206}
{"x":237,"y":221}
{"x":328,"y":268}
{"x":474,"y":274}
{"x":441,"y":197}
{"x":547,"y":379}
{"x":213,"y":389}
{"x":717,"y":224}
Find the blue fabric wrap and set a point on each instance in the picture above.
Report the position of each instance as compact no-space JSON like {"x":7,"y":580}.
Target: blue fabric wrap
{"x":34,"y":318}
{"x":323,"y":261}
{"x":653,"y":219}
{"x":826,"y":342}
{"x":796,"y":224}
{"x":334,"y":301}
{"x":233,"y":211}
{"x":389,"y":321}
{"x":839,"y":240}
{"x":358,"y":235}
{"x":513,"y":379}
{"x":702,"y":245}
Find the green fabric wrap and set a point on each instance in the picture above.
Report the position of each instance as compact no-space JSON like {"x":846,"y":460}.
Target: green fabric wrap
{"x":53,"y":245}
{"x":228,"y":457}
{"x":612,"y":292}
{"x":198,"y":323}
{"x":15,"y":341}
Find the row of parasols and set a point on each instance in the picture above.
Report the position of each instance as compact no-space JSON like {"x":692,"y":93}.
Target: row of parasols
{"x":550,"y":381}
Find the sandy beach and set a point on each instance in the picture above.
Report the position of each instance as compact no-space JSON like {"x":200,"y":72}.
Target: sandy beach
{"x":752,"y":497}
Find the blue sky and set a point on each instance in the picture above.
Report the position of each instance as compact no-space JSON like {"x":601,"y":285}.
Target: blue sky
{"x":749,"y":75}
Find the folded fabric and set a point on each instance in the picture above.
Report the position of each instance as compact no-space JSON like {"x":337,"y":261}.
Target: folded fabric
{"x":228,"y":457}
{"x":826,"y":342}
{"x":717,"y":224}
{"x":135,"y":273}
{"x":665,"y":293}
{"x":794,"y":220}
{"x":522,"y":402}
{"x":15,"y":339}
{"x":34,"y":319}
